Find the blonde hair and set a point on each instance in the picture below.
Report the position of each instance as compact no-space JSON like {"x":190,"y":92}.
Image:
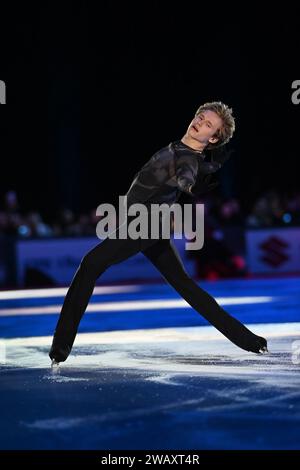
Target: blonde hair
{"x":225,"y":133}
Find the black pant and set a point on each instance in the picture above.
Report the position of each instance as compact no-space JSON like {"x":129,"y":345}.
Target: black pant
{"x":163,"y":254}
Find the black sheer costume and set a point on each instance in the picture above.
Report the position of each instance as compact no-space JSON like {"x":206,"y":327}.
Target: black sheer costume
{"x":167,"y":174}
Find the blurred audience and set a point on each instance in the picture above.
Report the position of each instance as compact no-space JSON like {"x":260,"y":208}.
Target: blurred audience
{"x":225,"y":221}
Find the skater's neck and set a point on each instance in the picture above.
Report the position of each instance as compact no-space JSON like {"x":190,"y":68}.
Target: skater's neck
{"x":193,"y":144}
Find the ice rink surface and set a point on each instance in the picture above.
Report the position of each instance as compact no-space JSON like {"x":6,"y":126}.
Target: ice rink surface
{"x":147,"y":372}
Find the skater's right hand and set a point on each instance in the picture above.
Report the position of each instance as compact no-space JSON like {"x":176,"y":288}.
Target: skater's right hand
{"x":203,"y":185}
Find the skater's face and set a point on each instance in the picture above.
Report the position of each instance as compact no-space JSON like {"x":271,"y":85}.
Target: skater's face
{"x":204,"y":127}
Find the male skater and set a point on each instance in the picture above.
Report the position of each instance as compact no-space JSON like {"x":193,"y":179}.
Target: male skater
{"x":178,"y":167}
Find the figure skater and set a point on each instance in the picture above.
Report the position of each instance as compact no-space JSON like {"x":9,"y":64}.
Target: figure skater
{"x":180,"y":167}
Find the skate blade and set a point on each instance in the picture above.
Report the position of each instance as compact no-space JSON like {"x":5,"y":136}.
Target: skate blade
{"x":263,"y":350}
{"x":54,"y":364}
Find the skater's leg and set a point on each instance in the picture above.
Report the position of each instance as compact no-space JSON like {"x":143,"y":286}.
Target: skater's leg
{"x":93,"y":264}
{"x":166,"y":259}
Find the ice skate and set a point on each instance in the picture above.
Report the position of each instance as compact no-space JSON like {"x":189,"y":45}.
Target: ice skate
{"x":263,"y":350}
{"x":54,"y":364}
{"x":262,"y":346}
{"x":58,"y":353}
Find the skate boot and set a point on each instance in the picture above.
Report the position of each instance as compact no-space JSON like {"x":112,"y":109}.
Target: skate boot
{"x":259,"y":345}
{"x":263,"y":350}
{"x":59,"y":353}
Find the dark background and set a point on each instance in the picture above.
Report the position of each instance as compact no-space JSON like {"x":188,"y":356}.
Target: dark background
{"x":95,"y":88}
